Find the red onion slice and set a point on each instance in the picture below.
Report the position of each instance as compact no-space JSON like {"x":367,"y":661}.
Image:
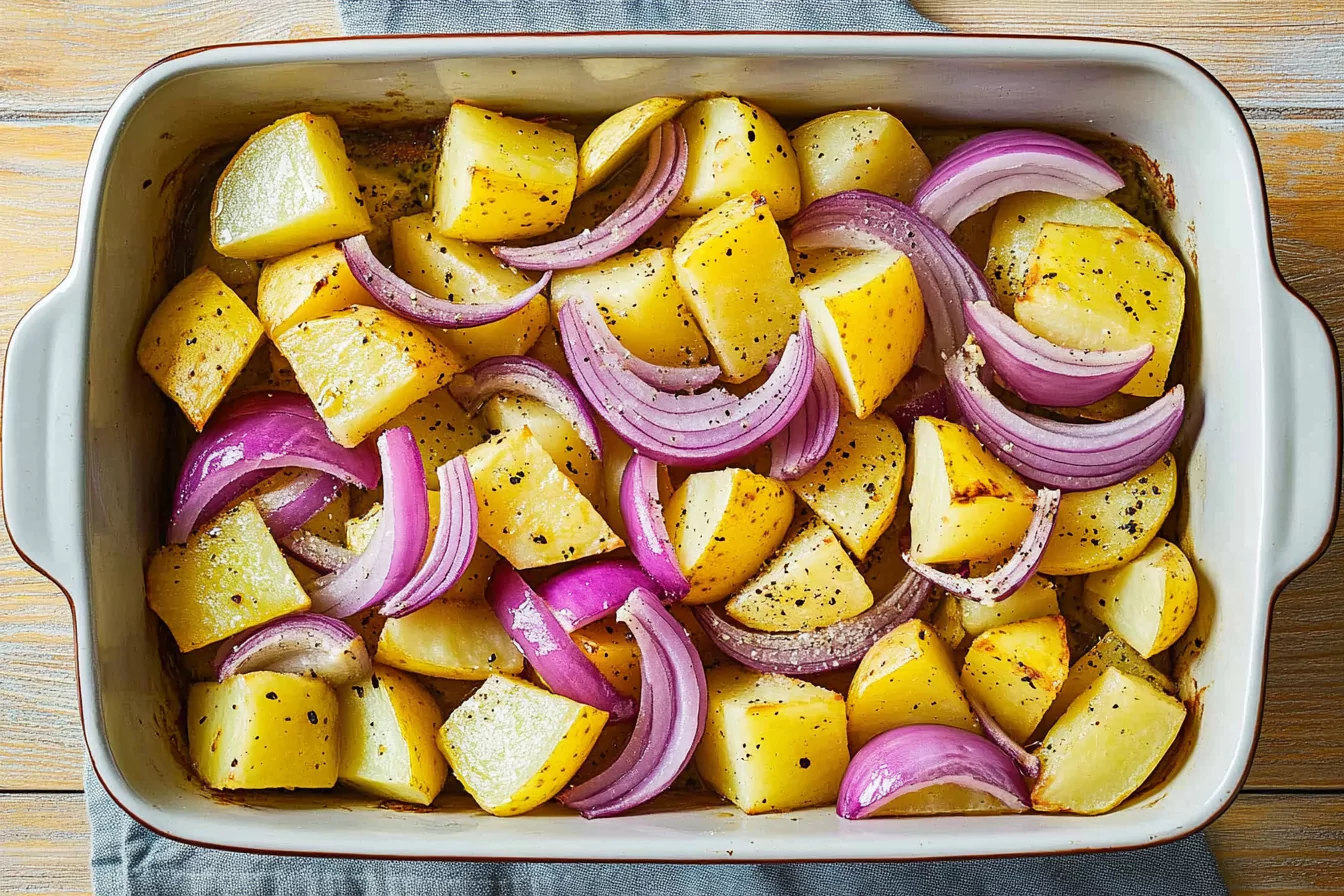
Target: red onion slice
{"x":914,"y":757}
{"x":241,"y":447}
{"x":303,"y":644}
{"x":661,"y":376}
{"x":859,"y":219}
{"x":982,"y":171}
{"x":1029,"y":764}
{"x":684,"y":430}
{"x":398,"y":543}
{"x":560,"y":662}
{"x":297,"y":501}
{"x":1005,"y":581}
{"x":642,"y":510}
{"x":831,"y":647}
{"x":807,"y":438}
{"x":930,"y":404}
{"x":673,"y":703}
{"x":657,"y":187}
{"x":398,"y":296}
{"x":521,"y":375}
{"x":1068,"y":456}
{"x":1048,"y":374}
{"x":454,"y":542}
{"x":593,"y":590}
{"x":317,"y":552}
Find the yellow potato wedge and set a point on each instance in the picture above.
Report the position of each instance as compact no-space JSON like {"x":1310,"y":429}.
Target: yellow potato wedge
{"x":861,"y":149}
{"x":735,"y":148}
{"x":307,"y":284}
{"x":1036,"y":598}
{"x":943,"y":799}
{"x":557,"y":436}
{"x":946,"y":621}
{"x":1149,"y":601}
{"x":387,"y":729}
{"x":1016,"y":670}
{"x":442,"y":430}
{"x":611,"y":647}
{"x":619,"y":138}
{"x":1110,"y":651}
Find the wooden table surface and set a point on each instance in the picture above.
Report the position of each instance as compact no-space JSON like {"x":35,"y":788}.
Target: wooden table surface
{"x":62,"y":63}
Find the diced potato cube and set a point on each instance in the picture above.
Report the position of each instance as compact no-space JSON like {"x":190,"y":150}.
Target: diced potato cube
{"x":557,"y":436}
{"x":734,"y":268}
{"x":857,"y":485}
{"x":1085,"y":630}
{"x":442,"y":430}
{"x":1110,"y":651}
{"x":867,"y":315}
{"x":771,"y":743}
{"x":467,"y":274}
{"x":530,"y":511}
{"x":514,"y":746}
{"x":363,"y":366}
{"x":501,"y":178}
{"x":305,"y":285}
{"x":228,"y":577}
{"x":1149,"y":601}
{"x":665,"y":233}
{"x":1108,"y":527}
{"x":946,"y":621}
{"x":449,"y":693}
{"x":723,"y":525}
{"x":547,"y":350}
{"x":883,"y":567}
{"x":736,"y":147}
{"x":862,"y":149}
{"x":387,"y":728}
{"x":290,"y":186}
{"x":1106,"y":288}
{"x":906,"y":678}
{"x":616,"y":456}
{"x":1036,"y":598}
{"x":1016,"y":671}
{"x":638,"y":296}
{"x":942,"y":799}
{"x":965,"y":504}
{"x":196,"y":342}
{"x":1105,"y":745}
{"x":619,"y":138}
{"x":263,"y":729}
{"x":241,"y":274}
{"x":611,"y":647}
{"x":810,"y":582}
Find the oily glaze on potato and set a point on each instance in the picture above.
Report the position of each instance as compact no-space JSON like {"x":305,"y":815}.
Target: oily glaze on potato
{"x":388,"y":723}
{"x":736,"y":147}
{"x":862,"y":149}
{"x":1149,"y":601}
{"x":619,"y":138}
{"x":305,"y":285}
{"x":1016,"y":670}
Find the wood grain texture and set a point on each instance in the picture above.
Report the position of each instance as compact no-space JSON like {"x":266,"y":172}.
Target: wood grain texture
{"x":44,"y":844}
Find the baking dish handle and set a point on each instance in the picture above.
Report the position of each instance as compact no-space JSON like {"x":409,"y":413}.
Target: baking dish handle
{"x":1307,"y":431}
{"x":43,"y":429}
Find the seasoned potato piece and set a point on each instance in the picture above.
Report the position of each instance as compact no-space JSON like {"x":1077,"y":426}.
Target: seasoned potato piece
{"x":548,"y":351}
{"x":906,"y":678}
{"x":290,"y":186}
{"x":271,"y":495}
{"x":965,"y":504}
{"x":882,"y":566}
{"x":611,"y":647}
{"x":1110,"y":651}
{"x":638,"y":296}
{"x":868,"y":320}
{"x":1104,"y":746}
{"x":364,"y":366}
{"x":449,"y":693}
{"x":1018,"y":220}
{"x":665,"y":233}
{"x":862,"y":149}
{"x":228,"y":577}
{"x":514,"y":746}
{"x":442,"y":429}
{"x":1035,"y":598}
{"x":857,"y":485}
{"x":942,"y":799}
{"x":619,"y":138}
{"x":557,"y":436}
{"x":241,"y":274}
{"x":810,"y":582}
{"x":387,"y":728}
{"x":735,"y":148}
{"x":1107,"y":527}
{"x":1085,"y":630}
{"x":501,"y":178}
{"x":307,"y":284}
{"x":946,"y":621}
{"x":1106,"y":288}
{"x":771,"y":743}
{"x":263,"y":729}
{"x":196,"y":342}
{"x":734,"y":268}
{"x":1016,"y":670}
{"x":468,"y":274}
{"x":1149,"y":601}
{"x":723,"y":525}
{"x":530,"y":511}
{"x":616,"y":455}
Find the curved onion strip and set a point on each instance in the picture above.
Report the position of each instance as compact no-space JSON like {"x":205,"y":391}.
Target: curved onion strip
{"x":1029,"y":764}
{"x":454,"y":542}
{"x":931,"y":404}
{"x":802,"y":444}
{"x":393,"y":553}
{"x":1005,"y":581}
{"x":642,"y":510}
{"x":397,"y":295}
{"x":593,"y":590}
{"x":560,"y":662}
{"x":296,"y":502}
{"x":831,"y":647}
{"x":661,"y":376}
{"x":987,"y":168}
{"x":303,"y":644}
{"x":527,"y":376}
{"x":673,"y":703}
{"x":316,"y":551}
{"x":911,"y":758}
{"x":659,"y":185}
{"x":1045,"y":373}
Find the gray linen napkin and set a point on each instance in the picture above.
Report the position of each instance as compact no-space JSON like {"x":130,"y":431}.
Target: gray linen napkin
{"x":130,"y":860}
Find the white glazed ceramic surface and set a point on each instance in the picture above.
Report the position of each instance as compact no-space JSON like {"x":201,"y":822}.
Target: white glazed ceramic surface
{"x":83,"y":481}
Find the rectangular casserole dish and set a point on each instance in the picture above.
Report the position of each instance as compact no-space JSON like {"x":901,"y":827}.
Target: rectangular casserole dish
{"x":82,"y":426}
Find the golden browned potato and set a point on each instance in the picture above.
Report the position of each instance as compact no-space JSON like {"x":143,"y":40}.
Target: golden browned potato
{"x":1110,"y":651}
{"x":611,"y":647}
{"x":1149,"y":601}
{"x":736,"y":147}
{"x":861,"y":149}
{"x":1016,"y":670}
{"x":307,"y":284}
{"x":619,"y":138}
{"x":387,"y":726}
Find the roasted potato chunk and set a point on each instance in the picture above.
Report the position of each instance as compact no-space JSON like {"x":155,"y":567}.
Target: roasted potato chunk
{"x":442,"y":430}
{"x":307,"y":284}
{"x":942,"y":799}
{"x":1110,"y":651}
{"x":1149,"y":601}
{"x":387,"y":727}
{"x":611,"y":647}
{"x":557,"y":436}
{"x":1036,"y":598}
{"x":735,"y":148}
{"x":862,"y":149}
{"x":1016,"y":670}
{"x":619,"y":138}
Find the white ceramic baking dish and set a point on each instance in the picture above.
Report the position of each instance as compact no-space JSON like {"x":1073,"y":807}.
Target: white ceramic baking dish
{"x":82,"y":426}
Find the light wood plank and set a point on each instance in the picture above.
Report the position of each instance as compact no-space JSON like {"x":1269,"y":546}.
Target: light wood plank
{"x":44,"y":844}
